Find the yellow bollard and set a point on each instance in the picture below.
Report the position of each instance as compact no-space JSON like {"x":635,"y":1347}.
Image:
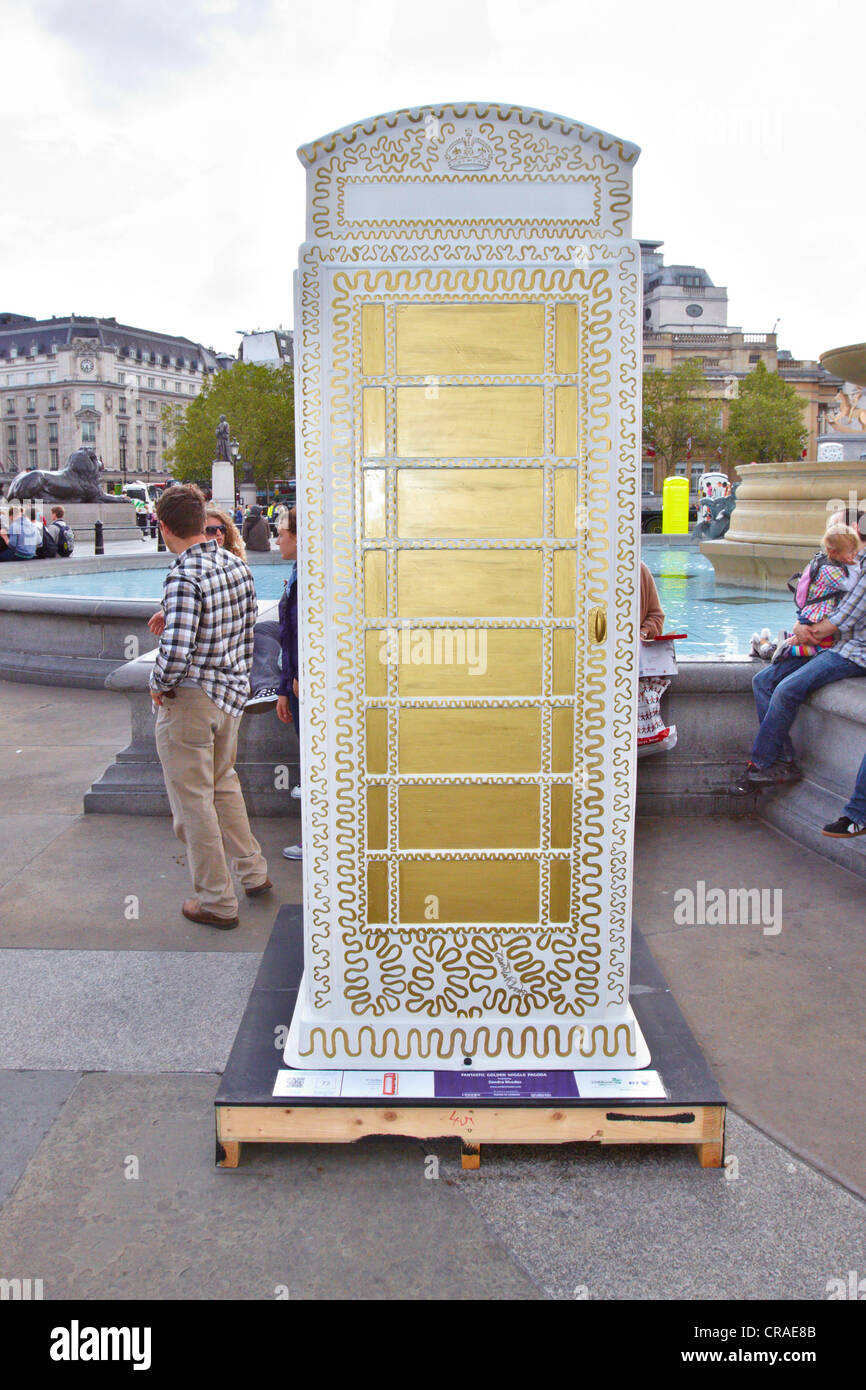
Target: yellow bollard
{"x":675,"y":506}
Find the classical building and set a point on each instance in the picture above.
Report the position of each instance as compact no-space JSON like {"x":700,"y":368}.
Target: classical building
{"x":76,"y":380}
{"x":273,"y":347}
{"x":685,"y":318}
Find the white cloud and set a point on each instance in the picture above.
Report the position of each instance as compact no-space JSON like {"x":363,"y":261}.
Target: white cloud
{"x":149,"y":150}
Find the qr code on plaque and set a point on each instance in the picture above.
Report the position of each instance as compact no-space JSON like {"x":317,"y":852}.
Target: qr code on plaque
{"x":295,"y":1083}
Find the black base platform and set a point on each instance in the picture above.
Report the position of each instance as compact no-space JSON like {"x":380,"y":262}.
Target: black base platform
{"x":247,"y":1111}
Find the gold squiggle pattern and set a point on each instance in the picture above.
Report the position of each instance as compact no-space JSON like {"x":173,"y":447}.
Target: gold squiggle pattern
{"x":538,"y":1042}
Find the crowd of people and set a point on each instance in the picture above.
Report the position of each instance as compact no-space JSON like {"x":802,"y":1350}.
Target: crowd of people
{"x":26,"y":535}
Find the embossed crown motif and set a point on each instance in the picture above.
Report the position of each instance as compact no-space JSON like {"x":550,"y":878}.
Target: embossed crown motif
{"x":468,"y":152}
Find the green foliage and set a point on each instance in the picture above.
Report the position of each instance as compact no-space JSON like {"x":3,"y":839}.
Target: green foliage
{"x":675,"y":407}
{"x":766,"y":420}
{"x":258,"y":403}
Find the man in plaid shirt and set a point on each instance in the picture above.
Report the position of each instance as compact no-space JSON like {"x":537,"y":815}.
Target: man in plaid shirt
{"x":200,"y":685}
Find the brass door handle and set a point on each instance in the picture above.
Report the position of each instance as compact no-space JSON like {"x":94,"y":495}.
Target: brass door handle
{"x":597,"y":625}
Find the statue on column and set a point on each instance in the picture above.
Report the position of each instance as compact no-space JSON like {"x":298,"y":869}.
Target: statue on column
{"x":223,"y":450}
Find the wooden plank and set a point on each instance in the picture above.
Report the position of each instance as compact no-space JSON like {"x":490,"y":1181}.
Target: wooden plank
{"x":338,"y":1124}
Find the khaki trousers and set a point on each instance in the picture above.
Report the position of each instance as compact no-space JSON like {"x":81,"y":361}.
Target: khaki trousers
{"x":197,"y":745}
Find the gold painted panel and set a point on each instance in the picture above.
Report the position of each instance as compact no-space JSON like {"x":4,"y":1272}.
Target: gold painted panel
{"x":564,"y":583}
{"x":503,"y":740}
{"x":373,"y":339}
{"x":566,"y":339}
{"x":374,"y":503}
{"x":501,"y":816}
{"x":565,"y":503}
{"x":374,"y":421}
{"x":377,"y":742}
{"x":470,"y":421}
{"x":375,"y":603}
{"x":511,"y":666}
{"x":458,"y":339}
{"x":377,"y":817}
{"x":375,"y":648}
{"x":565,"y":421}
{"x":481,"y":890}
{"x":562,"y":740}
{"x":377,"y":891}
{"x":442,"y":503}
{"x":563,"y":662}
{"x":560,"y":890}
{"x":466,"y":583}
{"x":560,"y":815}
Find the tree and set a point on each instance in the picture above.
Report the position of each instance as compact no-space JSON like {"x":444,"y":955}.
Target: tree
{"x":766,"y":420}
{"x":676,"y":409}
{"x":258,"y":403}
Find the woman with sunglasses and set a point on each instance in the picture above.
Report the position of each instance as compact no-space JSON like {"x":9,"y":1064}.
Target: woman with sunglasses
{"x":265,"y":674}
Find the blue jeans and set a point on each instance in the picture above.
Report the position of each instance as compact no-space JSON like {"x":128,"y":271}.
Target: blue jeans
{"x":856,"y":808}
{"x":779,"y":696}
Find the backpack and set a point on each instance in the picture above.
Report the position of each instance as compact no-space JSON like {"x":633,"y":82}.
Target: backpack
{"x":47,"y":547}
{"x":65,"y":539}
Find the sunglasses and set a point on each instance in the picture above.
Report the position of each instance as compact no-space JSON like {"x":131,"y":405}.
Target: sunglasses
{"x":213,"y":530}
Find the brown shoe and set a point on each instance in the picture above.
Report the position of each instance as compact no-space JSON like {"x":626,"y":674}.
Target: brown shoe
{"x":196,"y":913}
{"x":258,"y":889}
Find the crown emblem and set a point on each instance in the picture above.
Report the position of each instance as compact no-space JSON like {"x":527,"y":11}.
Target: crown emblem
{"x":468,"y":153}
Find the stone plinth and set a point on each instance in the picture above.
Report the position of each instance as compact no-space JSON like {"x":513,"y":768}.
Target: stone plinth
{"x":118,"y":519}
{"x":781,"y":514}
{"x":267,"y":762}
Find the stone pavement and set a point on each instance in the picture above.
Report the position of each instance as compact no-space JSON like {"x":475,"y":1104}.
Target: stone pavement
{"x":116,"y":1016}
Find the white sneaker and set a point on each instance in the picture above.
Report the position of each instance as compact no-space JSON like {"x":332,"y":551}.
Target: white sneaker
{"x":293,"y":852}
{"x":263,"y":699}
{"x":296,"y":793}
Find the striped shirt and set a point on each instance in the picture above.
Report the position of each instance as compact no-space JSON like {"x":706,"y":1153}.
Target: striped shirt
{"x":850,"y":619}
{"x":209,"y":602}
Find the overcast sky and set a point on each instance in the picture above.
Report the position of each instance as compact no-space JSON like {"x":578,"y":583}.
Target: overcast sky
{"x":148,"y":146}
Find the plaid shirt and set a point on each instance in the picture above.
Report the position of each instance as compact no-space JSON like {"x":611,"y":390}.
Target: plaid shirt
{"x":850,"y":619}
{"x":209,"y":601}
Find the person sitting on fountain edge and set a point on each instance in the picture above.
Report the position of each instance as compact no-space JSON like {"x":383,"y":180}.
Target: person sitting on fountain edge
{"x":781,"y":688}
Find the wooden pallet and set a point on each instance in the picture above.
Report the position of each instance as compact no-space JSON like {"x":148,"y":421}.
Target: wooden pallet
{"x":247,"y":1112}
{"x":703,"y":1126}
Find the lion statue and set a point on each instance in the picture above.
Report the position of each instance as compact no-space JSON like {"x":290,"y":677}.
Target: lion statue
{"x":77,"y":482}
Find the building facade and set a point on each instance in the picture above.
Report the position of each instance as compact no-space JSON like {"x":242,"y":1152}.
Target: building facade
{"x":70,"y":381}
{"x":685,"y":318}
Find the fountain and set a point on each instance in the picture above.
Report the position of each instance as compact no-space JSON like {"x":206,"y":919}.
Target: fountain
{"x":782,"y":508}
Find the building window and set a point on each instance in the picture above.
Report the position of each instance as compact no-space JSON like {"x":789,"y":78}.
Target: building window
{"x":649,"y":357}
{"x":151,"y":458}
{"x":121,"y":405}
{"x":88,"y":400}
{"x":52,"y":431}
{"x":31,"y":434}
{"x":151,"y":407}
{"x":31,"y":378}
{"x":754,"y":357}
{"x":138,"y":434}
{"x":151,"y":434}
{"x":121,"y":432}
{"x":178,"y":386}
{"x":647,"y":478}
{"x":138,"y":407}
{"x":10,"y":435}
{"x":151,"y":383}
{"x":52,"y":402}
{"x":88,"y":432}
{"x":13,"y":458}
{"x":191,"y":389}
{"x":10,"y":406}
{"x":52,"y":374}
{"x":33,"y":458}
{"x":55,"y":458}
{"x":121,"y":378}
{"x":163,"y":384}
{"x":31,"y":405}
